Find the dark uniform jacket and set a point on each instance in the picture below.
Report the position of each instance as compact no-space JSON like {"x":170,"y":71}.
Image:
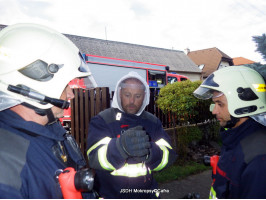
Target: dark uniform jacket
{"x":115,"y":176}
{"x":241,"y":171}
{"x":30,"y":155}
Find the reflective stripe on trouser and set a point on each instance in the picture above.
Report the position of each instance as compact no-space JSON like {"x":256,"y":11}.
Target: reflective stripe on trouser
{"x":163,"y":146}
{"x":212,"y":194}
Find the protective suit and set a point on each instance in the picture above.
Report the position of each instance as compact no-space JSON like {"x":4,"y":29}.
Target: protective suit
{"x":117,"y":177}
{"x":241,"y":167}
{"x":240,"y":171}
{"x":30,"y":156}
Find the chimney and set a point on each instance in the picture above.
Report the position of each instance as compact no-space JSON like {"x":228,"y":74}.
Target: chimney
{"x":187,"y":50}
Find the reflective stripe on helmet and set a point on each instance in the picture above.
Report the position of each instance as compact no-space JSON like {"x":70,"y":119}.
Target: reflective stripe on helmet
{"x":163,"y":146}
{"x":132,"y":170}
{"x":260,"y":87}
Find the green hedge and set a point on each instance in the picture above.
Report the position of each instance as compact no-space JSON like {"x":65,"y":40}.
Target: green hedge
{"x":178,"y":101}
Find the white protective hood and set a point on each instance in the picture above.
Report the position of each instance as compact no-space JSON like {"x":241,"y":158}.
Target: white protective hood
{"x":117,"y":100}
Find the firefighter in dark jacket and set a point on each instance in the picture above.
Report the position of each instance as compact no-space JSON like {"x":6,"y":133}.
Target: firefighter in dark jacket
{"x":239,"y":94}
{"x":36,"y":64}
{"x":127,"y":144}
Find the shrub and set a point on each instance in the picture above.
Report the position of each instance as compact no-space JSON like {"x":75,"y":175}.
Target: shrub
{"x":178,"y":99}
{"x":183,"y":108}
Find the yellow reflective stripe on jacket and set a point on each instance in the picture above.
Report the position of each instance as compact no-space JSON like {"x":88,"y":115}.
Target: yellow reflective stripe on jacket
{"x":105,"y":140}
{"x":212,"y":194}
{"x":162,"y":142}
{"x":163,"y":146}
{"x":102,"y":152}
{"x":157,"y":194}
{"x":132,"y":170}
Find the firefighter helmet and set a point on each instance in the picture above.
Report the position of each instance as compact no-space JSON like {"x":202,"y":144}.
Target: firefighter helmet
{"x":37,"y":62}
{"x":243,"y":87}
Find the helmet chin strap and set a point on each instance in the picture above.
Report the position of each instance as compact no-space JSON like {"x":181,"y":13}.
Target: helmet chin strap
{"x":50,"y":115}
{"x":231,"y":123}
{"x":43,"y":112}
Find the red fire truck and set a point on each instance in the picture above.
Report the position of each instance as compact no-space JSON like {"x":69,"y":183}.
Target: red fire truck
{"x":174,"y":77}
{"x":107,"y":71}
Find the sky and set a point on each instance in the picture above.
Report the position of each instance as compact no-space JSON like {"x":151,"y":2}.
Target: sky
{"x":228,"y":25}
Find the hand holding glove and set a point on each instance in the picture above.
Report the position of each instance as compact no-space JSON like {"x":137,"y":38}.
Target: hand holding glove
{"x":134,"y":142}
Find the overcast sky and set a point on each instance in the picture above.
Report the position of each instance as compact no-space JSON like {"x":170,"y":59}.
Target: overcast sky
{"x":172,"y":24}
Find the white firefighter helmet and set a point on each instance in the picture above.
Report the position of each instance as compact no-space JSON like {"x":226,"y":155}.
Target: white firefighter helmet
{"x":243,"y":87}
{"x":37,"y":62}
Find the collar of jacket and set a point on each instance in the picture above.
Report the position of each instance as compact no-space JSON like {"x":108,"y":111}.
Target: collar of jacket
{"x":128,"y":115}
{"x":54,"y":131}
{"x":233,"y":136}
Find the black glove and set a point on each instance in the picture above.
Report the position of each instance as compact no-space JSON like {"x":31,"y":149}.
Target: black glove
{"x":142,"y":158}
{"x":134,"y":142}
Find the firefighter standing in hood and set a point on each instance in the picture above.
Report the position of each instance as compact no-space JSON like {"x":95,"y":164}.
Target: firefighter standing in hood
{"x":36,"y":65}
{"x":127,"y":144}
{"x":239,"y":94}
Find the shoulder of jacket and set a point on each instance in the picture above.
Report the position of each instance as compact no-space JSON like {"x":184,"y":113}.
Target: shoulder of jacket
{"x":148,"y":116}
{"x":108,"y":115}
{"x":254,"y":145}
{"x":13,"y":149}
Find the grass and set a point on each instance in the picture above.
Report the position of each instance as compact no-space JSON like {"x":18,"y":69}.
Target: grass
{"x":179,"y":171}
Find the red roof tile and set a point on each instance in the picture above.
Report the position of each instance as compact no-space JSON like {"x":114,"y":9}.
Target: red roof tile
{"x":242,"y":61}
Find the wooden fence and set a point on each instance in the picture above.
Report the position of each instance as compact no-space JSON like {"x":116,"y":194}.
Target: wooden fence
{"x":85,"y":105}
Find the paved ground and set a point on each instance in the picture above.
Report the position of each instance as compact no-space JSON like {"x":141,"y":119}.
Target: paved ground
{"x":199,"y":183}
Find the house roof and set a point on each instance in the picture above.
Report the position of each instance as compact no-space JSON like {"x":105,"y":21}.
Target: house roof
{"x":242,"y":61}
{"x":176,"y":60}
{"x":210,"y":58}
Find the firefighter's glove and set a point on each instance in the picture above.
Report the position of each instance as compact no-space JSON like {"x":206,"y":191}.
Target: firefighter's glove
{"x":134,"y":143}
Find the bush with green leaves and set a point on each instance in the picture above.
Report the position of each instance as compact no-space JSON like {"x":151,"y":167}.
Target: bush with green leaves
{"x":178,"y":99}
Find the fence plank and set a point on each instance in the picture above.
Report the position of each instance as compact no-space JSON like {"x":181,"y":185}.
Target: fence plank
{"x":92,"y":104}
{"x":87,"y":113}
{"x":76,"y":116}
{"x":81,"y":120}
{"x":87,"y":119}
{"x":98,"y":100}
{"x":72,"y":103}
{"x":105,"y":98}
